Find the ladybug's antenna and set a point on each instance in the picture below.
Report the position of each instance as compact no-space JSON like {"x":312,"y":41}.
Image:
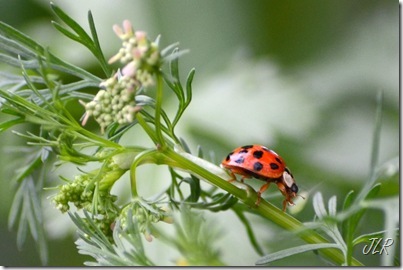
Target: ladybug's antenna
{"x":301,"y":196}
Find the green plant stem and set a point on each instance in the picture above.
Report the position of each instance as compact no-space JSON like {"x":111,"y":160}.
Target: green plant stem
{"x":353,"y":221}
{"x":158,"y":109}
{"x":138,"y":159}
{"x":85,"y":134}
{"x":240,"y":214}
{"x":265,"y":209}
{"x":150,"y":132}
{"x":89,"y":135}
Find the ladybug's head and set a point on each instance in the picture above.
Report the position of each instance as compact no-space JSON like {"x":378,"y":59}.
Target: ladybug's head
{"x":288,"y":187}
{"x":291,"y":188}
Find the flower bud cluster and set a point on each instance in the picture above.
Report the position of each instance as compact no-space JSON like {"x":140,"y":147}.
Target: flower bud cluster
{"x":73,"y":192}
{"x":84,"y":187}
{"x":140,"y":56}
{"x":145,"y":215}
{"x":80,"y":192}
{"x":115,"y":102}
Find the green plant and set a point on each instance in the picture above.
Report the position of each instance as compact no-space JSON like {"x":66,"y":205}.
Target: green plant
{"x":133,"y":96}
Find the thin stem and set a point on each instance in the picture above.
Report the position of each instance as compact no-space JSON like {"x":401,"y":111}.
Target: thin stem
{"x":167,"y":130}
{"x":71,"y":122}
{"x":375,"y":151}
{"x":89,"y":135}
{"x":251,"y":235}
{"x":158,"y":109}
{"x":150,"y":132}
{"x":353,"y":220}
{"x":175,"y":185}
{"x":137,"y":161}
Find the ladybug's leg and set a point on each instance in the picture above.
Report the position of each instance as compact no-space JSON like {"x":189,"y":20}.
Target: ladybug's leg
{"x":261,"y":190}
{"x":290,"y":202}
{"x":232,"y":173}
{"x":240,"y":184}
{"x":284,"y":204}
{"x":233,"y":177}
{"x":287,"y":196}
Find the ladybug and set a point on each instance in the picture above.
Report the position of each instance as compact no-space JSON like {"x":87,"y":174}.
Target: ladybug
{"x":264,"y":164}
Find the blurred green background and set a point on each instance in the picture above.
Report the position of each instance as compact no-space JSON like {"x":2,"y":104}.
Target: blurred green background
{"x":300,"y":77}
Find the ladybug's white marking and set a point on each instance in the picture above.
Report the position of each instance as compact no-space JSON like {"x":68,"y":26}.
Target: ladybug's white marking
{"x":288,"y":180}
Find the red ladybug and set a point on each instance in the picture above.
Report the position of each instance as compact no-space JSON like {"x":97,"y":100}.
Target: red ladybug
{"x":262,"y":163}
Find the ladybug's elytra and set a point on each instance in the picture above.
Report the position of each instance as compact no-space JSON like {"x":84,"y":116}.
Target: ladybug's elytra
{"x":264,"y":164}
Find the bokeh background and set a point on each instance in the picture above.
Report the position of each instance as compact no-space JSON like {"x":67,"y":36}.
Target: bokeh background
{"x":300,"y":77}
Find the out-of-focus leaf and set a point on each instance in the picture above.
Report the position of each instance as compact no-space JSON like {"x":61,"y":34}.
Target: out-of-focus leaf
{"x":319,"y":206}
{"x":8,"y":124}
{"x":26,"y":209}
{"x":292,"y":251}
{"x":332,"y":204}
{"x":13,"y":34}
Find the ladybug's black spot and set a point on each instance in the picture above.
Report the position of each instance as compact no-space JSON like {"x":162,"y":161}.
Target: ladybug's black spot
{"x":274,"y":166}
{"x":278,"y":160}
{"x":247,"y":146}
{"x":257,"y":166}
{"x":229,"y":156}
{"x":243,"y":151}
{"x":294,"y":188}
{"x":257,"y":154}
{"x":240,"y":160}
